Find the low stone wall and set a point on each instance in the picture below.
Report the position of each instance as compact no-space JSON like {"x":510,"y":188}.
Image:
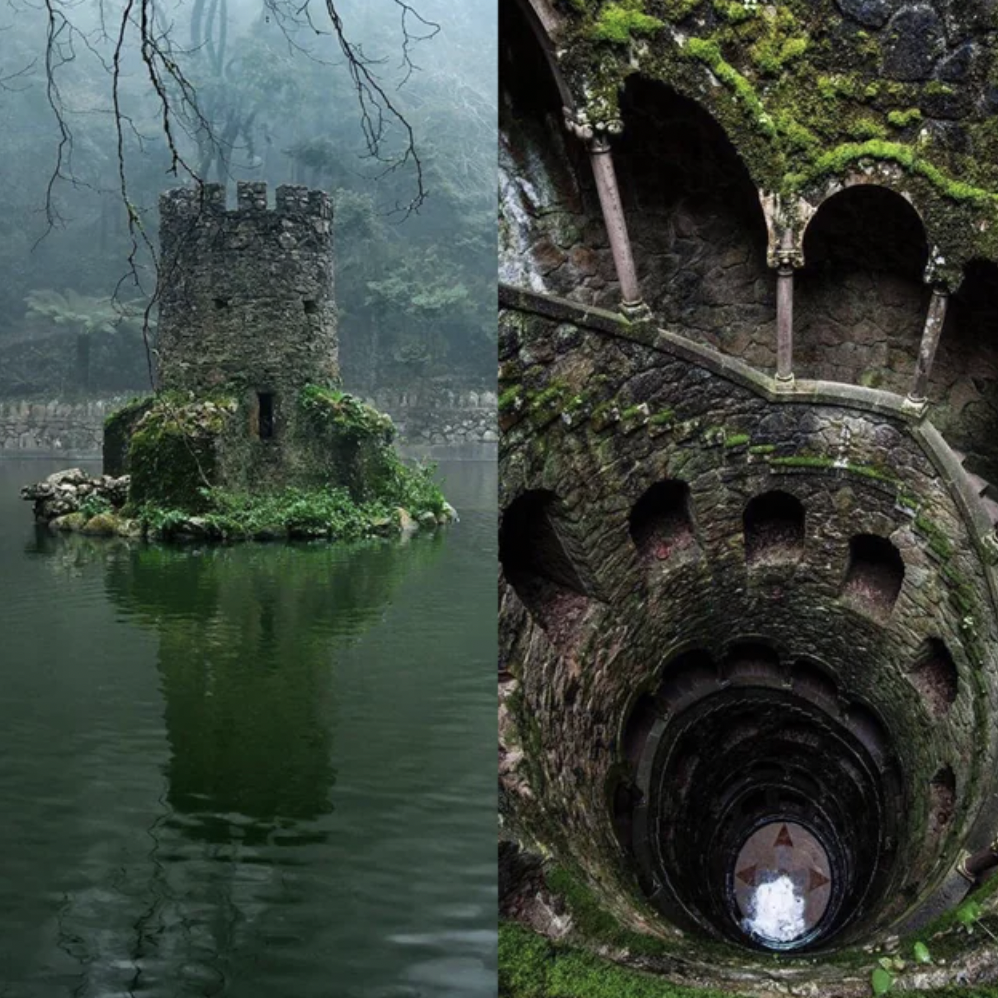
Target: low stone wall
{"x":435,"y":421}
{"x":440,"y":417}
{"x":75,"y":429}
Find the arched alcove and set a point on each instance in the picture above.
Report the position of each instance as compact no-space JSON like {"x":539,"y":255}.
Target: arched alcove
{"x":540,"y":559}
{"x":774,"y":528}
{"x":551,"y":233}
{"x":964,"y":384}
{"x":695,"y":221}
{"x":814,"y":683}
{"x":874,"y":576}
{"x":661,"y":524}
{"x":942,"y":801}
{"x":860,"y":301}
{"x":935,"y":677}
{"x":752,"y":663}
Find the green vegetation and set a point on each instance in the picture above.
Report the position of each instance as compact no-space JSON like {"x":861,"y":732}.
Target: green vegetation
{"x":902,"y":119}
{"x":294,"y":513}
{"x":835,"y":162}
{"x":509,"y":400}
{"x":937,"y":540}
{"x":771,"y":54}
{"x":94,"y":505}
{"x":617,"y":22}
{"x":348,"y":416}
{"x":826,"y":464}
{"x":867,"y":128}
{"x":173,"y":454}
{"x":531,"y":967}
{"x":734,"y":11}
{"x":708,"y":52}
{"x":593,"y":921}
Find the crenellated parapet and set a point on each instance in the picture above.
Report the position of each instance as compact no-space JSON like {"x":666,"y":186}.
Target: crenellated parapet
{"x":246,"y":293}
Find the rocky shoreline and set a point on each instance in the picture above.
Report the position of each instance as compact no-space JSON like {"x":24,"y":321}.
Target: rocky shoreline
{"x":72,"y":501}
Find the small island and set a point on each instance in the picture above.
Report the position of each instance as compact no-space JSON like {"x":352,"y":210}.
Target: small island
{"x":249,"y":434}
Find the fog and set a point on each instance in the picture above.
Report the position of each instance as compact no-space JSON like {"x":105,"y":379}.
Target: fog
{"x":259,"y":91}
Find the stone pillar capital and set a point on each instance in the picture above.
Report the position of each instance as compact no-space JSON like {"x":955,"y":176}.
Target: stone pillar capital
{"x":787,"y":259}
{"x":596,"y":134}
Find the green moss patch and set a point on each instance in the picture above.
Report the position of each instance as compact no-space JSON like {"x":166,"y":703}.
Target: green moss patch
{"x":708,"y":52}
{"x":173,"y":454}
{"x":349,"y":417}
{"x":531,"y":967}
{"x":617,"y":22}
{"x":836,"y":161}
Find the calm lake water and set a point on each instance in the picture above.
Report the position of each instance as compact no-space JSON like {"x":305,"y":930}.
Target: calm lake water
{"x":250,"y":771}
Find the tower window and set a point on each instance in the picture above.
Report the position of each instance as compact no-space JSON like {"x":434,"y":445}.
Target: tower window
{"x":265,"y":418}
{"x":221,"y":303}
{"x":311,"y":306}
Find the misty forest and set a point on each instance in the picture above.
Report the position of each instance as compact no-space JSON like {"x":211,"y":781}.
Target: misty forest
{"x":388,"y":106}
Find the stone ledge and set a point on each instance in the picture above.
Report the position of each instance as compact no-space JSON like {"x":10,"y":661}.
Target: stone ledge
{"x":982,"y":530}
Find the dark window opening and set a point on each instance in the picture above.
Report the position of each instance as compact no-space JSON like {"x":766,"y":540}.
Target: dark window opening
{"x":660,"y":522}
{"x":934,"y":675}
{"x":221,"y":303}
{"x":942,"y":800}
{"x":754,"y":664}
{"x":265,"y":419}
{"x":876,"y":571}
{"x":542,"y":560}
{"x":774,"y":528}
{"x":311,"y":306}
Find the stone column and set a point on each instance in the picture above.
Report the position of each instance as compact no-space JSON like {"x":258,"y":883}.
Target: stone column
{"x":787,"y":258}
{"x":930,"y":340}
{"x":597,"y":140}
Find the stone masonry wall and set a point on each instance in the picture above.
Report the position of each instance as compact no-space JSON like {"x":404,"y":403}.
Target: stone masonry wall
{"x":443,"y":418}
{"x":70,"y":428}
{"x":247,"y":296}
{"x":595,"y":417}
{"x":438,"y":416}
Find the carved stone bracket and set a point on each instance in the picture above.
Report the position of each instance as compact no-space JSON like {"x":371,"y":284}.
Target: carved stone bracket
{"x":596,"y":134}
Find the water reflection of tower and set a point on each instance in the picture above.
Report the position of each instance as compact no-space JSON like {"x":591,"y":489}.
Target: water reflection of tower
{"x":247,"y":637}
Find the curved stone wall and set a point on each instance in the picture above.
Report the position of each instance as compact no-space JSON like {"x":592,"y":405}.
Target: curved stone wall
{"x":603,"y":591}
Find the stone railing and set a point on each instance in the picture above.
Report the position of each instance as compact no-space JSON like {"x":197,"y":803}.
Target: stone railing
{"x":73,"y":429}
{"x":434,"y":421}
{"x":442,"y":420}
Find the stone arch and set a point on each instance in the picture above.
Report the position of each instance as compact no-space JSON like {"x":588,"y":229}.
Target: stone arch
{"x":934,"y":675}
{"x":774,"y":527}
{"x":543,"y":22}
{"x":754,"y":663}
{"x":964,"y":385}
{"x":661,"y":522}
{"x":874,"y":576}
{"x":942,"y":801}
{"x":695,"y":220}
{"x":860,"y":300}
{"x":542,"y":560}
{"x":815,"y":682}
{"x":551,"y":233}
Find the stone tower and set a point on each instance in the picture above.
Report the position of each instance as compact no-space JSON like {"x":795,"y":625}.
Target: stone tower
{"x":246,"y":299}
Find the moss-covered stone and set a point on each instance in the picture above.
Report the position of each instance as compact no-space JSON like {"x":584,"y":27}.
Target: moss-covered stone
{"x":173,"y":453}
